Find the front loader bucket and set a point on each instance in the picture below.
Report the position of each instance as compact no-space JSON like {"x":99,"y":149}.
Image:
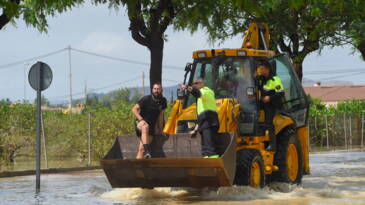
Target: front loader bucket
{"x":176,"y":162}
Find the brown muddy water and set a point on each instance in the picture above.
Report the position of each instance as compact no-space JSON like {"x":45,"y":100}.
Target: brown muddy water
{"x":336,"y":178}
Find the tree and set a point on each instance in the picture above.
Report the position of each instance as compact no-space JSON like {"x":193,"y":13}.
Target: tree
{"x":44,"y":101}
{"x":33,"y":12}
{"x":149,"y":20}
{"x":10,"y":9}
{"x":5,"y":102}
{"x":357,"y":36}
{"x":356,"y":27}
{"x":119,"y":95}
{"x":296,"y":27}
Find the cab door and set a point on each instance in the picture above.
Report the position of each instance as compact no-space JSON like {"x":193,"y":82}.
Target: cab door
{"x":296,"y":102}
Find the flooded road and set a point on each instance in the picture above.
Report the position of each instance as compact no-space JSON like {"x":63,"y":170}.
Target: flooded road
{"x":336,"y":178}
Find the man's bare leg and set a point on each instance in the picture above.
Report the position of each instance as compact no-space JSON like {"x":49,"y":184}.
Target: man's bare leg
{"x":146,"y":139}
{"x":140,"y":151}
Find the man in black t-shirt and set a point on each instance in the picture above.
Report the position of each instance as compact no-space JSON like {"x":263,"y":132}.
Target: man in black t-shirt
{"x":149,"y":113}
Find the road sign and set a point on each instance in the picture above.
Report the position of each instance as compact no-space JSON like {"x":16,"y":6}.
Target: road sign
{"x":45,"y":73}
{"x":40,"y":78}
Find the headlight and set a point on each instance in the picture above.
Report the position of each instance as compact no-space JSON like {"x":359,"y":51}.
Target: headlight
{"x":202,"y":55}
{"x":241,"y":53}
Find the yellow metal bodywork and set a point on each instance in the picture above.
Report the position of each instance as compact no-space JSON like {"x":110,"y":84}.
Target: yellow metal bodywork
{"x":227,"y":110}
{"x":303,"y":134}
{"x":255,"y":175}
{"x":171,"y":123}
{"x":253,"y":33}
{"x":292,"y":163}
{"x":233,"y":52}
{"x":281,"y":122}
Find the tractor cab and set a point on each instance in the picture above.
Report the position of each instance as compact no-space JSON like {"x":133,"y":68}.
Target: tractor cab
{"x":232,"y":77}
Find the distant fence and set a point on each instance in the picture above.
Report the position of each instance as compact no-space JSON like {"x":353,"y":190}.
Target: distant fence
{"x":337,"y":131}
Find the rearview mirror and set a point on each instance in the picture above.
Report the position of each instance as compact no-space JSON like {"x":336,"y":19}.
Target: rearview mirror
{"x":188,"y":67}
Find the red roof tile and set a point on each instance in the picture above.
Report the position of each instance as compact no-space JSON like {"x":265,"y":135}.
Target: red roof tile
{"x":336,"y":93}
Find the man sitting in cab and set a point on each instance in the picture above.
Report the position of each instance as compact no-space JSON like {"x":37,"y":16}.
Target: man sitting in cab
{"x":272,"y":95}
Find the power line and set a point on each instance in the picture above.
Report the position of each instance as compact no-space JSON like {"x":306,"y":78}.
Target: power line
{"x":329,"y":72}
{"x":341,"y":76}
{"x":5,"y":66}
{"x":125,"y":60}
{"x":115,"y":84}
{"x":175,"y":81}
{"x":96,"y":89}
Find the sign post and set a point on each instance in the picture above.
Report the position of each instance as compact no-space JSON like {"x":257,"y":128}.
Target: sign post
{"x":40,"y":78}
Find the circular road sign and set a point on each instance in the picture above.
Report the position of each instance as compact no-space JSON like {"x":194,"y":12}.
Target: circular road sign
{"x":40,"y":71}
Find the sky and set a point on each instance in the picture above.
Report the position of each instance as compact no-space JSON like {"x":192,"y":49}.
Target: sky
{"x":105,"y":32}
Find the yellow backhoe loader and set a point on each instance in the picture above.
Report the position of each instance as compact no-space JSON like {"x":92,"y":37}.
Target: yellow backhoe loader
{"x":243,"y":135}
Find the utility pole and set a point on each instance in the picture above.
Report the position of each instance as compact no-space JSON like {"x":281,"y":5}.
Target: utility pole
{"x":85,"y":92}
{"x":25,"y":82}
{"x":69,"y":60}
{"x":142,"y":83}
{"x":89,"y":140}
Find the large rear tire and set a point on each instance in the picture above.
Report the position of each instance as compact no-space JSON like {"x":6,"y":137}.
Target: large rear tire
{"x":288,"y":158}
{"x":250,"y":169}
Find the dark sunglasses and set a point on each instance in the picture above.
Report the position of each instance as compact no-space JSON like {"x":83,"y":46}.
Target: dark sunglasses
{"x":195,"y":83}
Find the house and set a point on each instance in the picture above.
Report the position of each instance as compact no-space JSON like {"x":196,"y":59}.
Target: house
{"x":331,"y":95}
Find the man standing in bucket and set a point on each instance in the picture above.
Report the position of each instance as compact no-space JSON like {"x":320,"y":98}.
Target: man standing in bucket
{"x":208,"y":123}
{"x":149,"y":113}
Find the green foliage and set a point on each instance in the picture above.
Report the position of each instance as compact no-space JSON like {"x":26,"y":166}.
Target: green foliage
{"x":33,"y":12}
{"x":113,"y":99}
{"x":16,"y":129}
{"x":334,"y":117}
{"x":122,"y":95}
{"x":353,"y":106}
{"x":66,"y":135}
{"x":297,"y":27}
{"x":44,"y":101}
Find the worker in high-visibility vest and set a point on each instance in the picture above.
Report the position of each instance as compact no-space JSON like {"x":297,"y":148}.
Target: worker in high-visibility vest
{"x":208,"y":123}
{"x":272,"y":95}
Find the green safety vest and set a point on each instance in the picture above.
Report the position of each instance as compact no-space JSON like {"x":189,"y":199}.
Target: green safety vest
{"x":274,"y":84}
{"x":206,"y":101}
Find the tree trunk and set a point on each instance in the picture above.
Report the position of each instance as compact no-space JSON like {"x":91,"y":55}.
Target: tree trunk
{"x":156,"y":53}
{"x":3,"y":20}
{"x":298,"y":67}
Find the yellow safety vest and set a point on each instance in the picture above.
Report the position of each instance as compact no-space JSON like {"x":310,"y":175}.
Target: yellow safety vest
{"x":206,"y":101}
{"x":275,"y":84}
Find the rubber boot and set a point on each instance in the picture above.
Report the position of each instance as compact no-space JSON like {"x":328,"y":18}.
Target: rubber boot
{"x":147,"y":153}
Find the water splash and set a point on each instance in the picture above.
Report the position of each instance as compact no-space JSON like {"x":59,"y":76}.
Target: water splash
{"x":133,"y":194}
{"x":234,"y":193}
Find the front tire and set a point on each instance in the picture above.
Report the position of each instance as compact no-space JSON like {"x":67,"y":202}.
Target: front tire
{"x":288,"y":158}
{"x":250,"y":169}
